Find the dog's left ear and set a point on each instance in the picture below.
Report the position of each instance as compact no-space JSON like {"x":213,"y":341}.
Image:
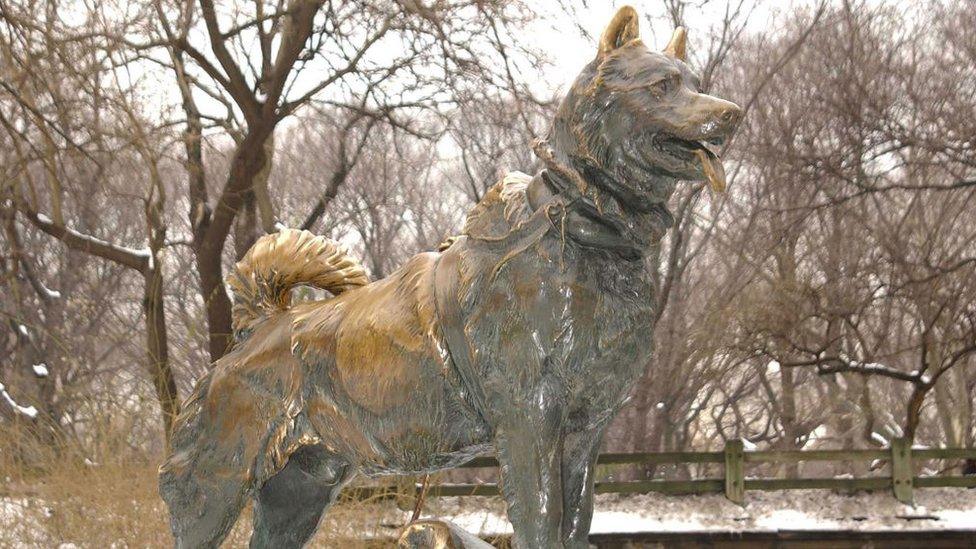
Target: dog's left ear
{"x":677,"y":46}
{"x":622,"y":29}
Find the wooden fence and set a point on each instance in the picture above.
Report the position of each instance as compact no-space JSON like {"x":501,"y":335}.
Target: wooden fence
{"x":899,"y":458}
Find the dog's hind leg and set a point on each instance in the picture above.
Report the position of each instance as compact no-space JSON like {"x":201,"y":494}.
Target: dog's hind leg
{"x":203,"y":486}
{"x":291,"y":503}
{"x":204,"y":523}
{"x":236,"y":431}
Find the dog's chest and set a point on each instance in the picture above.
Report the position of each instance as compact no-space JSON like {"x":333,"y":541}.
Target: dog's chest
{"x":602,"y":369}
{"x":576,"y":318}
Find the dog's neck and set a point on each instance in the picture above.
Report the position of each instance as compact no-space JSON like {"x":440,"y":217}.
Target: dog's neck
{"x":604,"y":211}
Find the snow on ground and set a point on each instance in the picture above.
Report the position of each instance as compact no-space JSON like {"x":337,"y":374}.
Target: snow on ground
{"x":19,"y":522}
{"x":936,"y":508}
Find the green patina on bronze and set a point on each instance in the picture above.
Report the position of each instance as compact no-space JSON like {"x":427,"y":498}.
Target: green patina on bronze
{"x":521,"y":338}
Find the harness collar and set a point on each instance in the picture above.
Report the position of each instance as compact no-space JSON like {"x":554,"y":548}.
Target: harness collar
{"x":602,"y":212}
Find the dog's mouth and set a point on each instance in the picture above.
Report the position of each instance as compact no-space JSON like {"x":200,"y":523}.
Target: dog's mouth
{"x":707,"y":153}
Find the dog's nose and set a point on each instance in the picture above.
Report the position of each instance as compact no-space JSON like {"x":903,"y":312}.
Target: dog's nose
{"x":731,"y":115}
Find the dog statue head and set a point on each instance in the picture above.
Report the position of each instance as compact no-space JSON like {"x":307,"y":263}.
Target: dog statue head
{"x":640,"y":115}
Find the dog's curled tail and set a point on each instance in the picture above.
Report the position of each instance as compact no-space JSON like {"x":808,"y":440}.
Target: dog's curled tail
{"x":262,"y":280}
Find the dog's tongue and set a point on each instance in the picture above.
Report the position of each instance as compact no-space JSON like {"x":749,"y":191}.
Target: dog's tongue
{"x":714,"y":171}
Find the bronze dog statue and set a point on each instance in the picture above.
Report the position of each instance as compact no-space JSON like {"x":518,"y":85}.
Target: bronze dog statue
{"x":522,"y":338}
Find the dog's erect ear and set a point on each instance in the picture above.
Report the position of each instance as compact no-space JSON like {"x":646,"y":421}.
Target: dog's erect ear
{"x":677,"y":47}
{"x":622,"y":29}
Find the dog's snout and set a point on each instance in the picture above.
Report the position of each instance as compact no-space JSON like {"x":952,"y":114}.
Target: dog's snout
{"x":714,"y":116}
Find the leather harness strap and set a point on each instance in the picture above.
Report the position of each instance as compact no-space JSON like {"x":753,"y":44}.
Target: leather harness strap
{"x":448,"y":307}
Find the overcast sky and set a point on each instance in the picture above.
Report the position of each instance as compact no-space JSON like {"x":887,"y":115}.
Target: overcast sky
{"x":561,"y":36}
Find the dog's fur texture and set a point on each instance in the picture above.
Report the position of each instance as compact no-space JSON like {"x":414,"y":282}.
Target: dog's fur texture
{"x":522,"y":338}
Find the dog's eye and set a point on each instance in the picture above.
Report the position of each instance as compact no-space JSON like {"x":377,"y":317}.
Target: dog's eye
{"x":665,"y":85}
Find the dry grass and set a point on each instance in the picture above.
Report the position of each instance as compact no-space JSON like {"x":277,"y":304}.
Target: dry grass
{"x":118,"y":506}
{"x":52,"y":498}
{"x":56,"y":494}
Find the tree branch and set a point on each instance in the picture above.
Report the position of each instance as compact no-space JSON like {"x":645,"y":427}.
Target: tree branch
{"x":127,"y":257}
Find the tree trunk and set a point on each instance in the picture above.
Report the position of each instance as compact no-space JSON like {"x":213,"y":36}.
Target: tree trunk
{"x":914,"y":410}
{"x":153,"y":304}
{"x":953,"y":420}
{"x":788,"y":418}
{"x":217,"y":303}
{"x":246,"y":226}
{"x":36,"y":345}
{"x":160,"y":371}
{"x":249,"y":159}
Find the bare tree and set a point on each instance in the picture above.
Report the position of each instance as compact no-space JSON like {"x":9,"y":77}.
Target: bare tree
{"x":863,"y":263}
{"x":42,"y":111}
{"x":346,"y":48}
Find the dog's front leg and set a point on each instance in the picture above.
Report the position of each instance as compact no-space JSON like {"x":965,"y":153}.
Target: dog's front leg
{"x":529,"y":447}
{"x":578,"y":465}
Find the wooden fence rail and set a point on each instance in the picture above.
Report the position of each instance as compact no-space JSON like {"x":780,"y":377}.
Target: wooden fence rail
{"x":734,"y":483}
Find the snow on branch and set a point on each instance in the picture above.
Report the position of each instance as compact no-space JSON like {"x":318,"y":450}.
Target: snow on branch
{"x":138,"y":259}
{"x":28,"y":411}
{"x":880,"y":440}
{"x":48,"y":292}
{"x":842,"y":363}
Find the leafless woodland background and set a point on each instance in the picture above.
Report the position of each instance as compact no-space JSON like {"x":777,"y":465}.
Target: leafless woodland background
{"x":827,"y":300}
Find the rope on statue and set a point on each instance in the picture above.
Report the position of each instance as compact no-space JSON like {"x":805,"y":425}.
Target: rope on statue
{"x":418,"y":506}
{"x":542,"y":150}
